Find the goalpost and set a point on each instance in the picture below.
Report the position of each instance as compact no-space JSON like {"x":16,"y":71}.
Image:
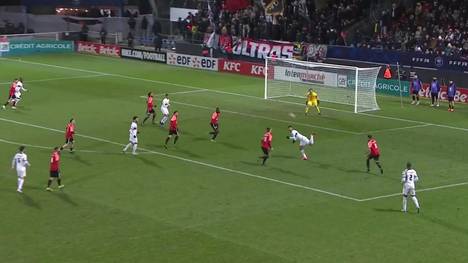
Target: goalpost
{"x":334,"y":83}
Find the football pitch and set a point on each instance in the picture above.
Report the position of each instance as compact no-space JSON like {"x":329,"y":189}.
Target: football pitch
{"x":203,"y":201}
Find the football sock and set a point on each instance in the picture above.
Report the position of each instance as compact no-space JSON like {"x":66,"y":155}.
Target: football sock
{"x":318,"y":109}
{"x":20,"y":183}
{"x":126,"y":147}
{"x":214,"y":135}
{"x":175,"y":139}
{"x":135,"y":146}
{"x":49,"y":182}
{"x":307,"y":110}
{"x":415,"y":200}
{"x":146,"y":118}
{"x":152,"y":119}
{"x":303,"y":154}
{"x":378,"y":164}
{"x":404,"y":203}
{"x":264,"y":159}
{"x":167,"y":140}
{"x":59,"y":181}
{"x":367,"y":164}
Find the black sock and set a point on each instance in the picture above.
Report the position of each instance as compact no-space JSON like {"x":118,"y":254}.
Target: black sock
{"x":176,"y":138}
{"x":378,"y":165}
{"x":59,"y":181}
{"x":215,"y":134}
{"x":167,"y":140}
{"x":49,"y":182}
{"x":71,"y":149}
{"x":144,"y":120}
{"x":152,"y":120}
{"x":264,"y":159}
{"x":367,"y":164}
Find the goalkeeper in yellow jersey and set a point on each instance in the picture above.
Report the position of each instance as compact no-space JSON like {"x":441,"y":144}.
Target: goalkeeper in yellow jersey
{"x":312,"y":101}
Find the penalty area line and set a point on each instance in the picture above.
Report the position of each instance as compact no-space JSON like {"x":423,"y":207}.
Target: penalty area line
{"x":217,"y":167}
{"x":42,"y":147}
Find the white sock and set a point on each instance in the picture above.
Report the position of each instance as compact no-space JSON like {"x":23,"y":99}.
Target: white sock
{"x":311,"y":139}
{"x":20,"y":184}
{"x":134,"y":148}
{"x":303,"y":154}
{"x":126,"y":147}
{"x":415,"y":200}
{"x":405,"y":201}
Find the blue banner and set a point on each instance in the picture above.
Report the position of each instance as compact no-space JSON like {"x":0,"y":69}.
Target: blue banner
{"x":414,"y":59}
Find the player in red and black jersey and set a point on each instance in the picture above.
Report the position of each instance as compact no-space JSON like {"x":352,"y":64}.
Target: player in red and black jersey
{"x":374,"y":153}
{"x":55,"y":169}
{"x":69,"y":135}
{"x":173,"y":129}
{"x":266,"y":145}
{"x":11,"y":93}
{"x":214,"y":123}
{"x":149,"y":109}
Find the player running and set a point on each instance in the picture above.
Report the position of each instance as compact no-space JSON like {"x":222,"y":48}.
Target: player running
{"x":173,"y":129}
{"x":266,"y":145}
{"x":214,"y":123}
{"x":55,"y":170}
{"x":69,"y":135}
{"x":165,"y":109}
{"x":133,"y":136}
{"x":374,"y":153}
{"x":303,"y":140}
{"x":312,"y":101}
{"x":17,"y":96}
{"x":11,"y":93}
{"x":20,"y":162}
{"x":409,"y":177}
{"x":149,"y":109}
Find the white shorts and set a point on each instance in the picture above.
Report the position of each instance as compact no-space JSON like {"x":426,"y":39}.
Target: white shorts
{"x":133,"y":140}
{"x":306,"y":141}
{"x":17,"y":96}
{"x":409,"y":190}
{"x":21,"y":173}
{"x":165,"y":111}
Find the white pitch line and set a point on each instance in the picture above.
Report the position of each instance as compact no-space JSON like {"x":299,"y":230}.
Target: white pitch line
{"x":179,"y":92}
{"x":396,"y":129}
{"x":41,"y":147}
{"x":418,"y":190}
{"x":63,"y":78}
{"x":228,"y":93}
{"x":194,"y":162}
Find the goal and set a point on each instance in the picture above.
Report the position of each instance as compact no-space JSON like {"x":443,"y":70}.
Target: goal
{"x":334,"y":83}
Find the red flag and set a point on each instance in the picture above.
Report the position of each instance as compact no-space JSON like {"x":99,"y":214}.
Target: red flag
{"x":235,"y":5}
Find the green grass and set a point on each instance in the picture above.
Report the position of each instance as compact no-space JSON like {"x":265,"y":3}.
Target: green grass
{"x":200,"y":201}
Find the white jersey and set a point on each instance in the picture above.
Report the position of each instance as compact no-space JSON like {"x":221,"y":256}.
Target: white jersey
{"x":303,"y":140}
{"x":20,"y":161}
{"x":19,"y":88}
{"x":165,"y":106}
{"x":409,"y":177}
{"x":133,"y":132}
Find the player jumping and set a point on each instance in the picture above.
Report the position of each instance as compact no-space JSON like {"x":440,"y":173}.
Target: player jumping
{"x":303,"y":140}
{"x":55,"y":170}
{"x":149,"y":109}
{"x":173,"y":129}
{"x":69,"y":135}
{"x":266,"y":145}
{"x":374,"y":153}
{"x":409,"y":177}
{"x":20,"y":162}
{"x":214,"y":124}
{"x":165,"y":109}
{"x":312,"y":101}
{"x":11,"y":93}
{"x":133,"y":136}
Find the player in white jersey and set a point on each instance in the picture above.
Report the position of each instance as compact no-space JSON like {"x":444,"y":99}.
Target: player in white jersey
{"x":133,"y":136}
{"x":408,"y":178}
{"x":17,"y":96}
{"x":165,"y":109}
{"x":20,"y":162}
{"x":303,"y":140}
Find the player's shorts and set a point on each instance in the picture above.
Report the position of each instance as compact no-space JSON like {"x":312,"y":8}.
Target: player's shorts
{"x":304,"y":142}
{"x":374,"y":156}
{"x":265,"y":150}
{"x":165,"y":111}
{"x":55,"y":174}
{"x":450,"y":99}
{"x":173,"y":132}
{"x":415,"y":92}
{"x":21,"y":173}
{"x":69,"y":140}
{"x":10,"y":97}
{"x":133,"y":140}
{"x":434,"y":95}
{"x":214,"y":126}
{"x":150,"y":111}
{"x":312,"y":103}
{"x":408,"y":190}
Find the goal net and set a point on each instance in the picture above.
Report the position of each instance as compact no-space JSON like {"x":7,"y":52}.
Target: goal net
{"x":334,"y":83}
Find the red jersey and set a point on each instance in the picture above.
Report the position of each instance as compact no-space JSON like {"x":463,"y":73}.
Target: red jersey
{"x":12,"y":88}
{"x":373,"y":148}
{"x":266,"y":140}
{"x":70,"y":130}
{"x":173,"y":124}
{"x":215,"y":117}
{"x":55,"y":161}
{"x":149,"y":103}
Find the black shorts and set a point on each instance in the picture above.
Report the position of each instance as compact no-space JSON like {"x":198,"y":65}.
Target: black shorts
{"x":55,"y":174}
{"x":266,"y":151}
{"x":214,"y":126}
{"x":150,"y":111}
{"x":415,"y":92}
{"x":375,"y":157}
{"x":450,"y":99}
{"x":69,"y":140}
{"x":173,"y":132}
{"x":434,"y":95}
